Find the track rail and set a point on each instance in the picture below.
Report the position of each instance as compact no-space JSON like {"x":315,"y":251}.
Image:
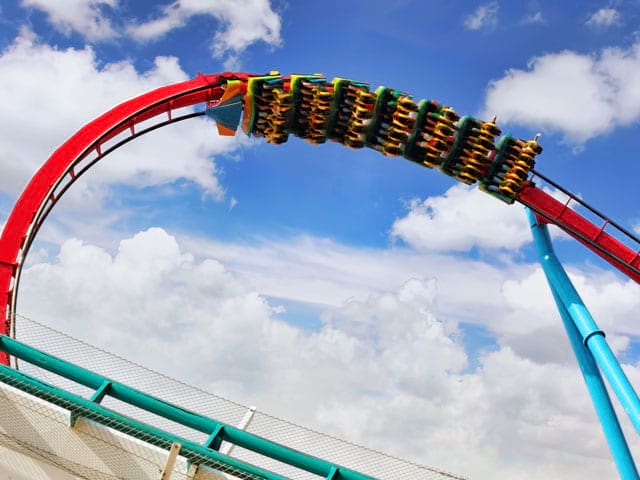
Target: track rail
{"x":73,"y":158}
{"x":595,"y":237}
{"x":101,"y":136}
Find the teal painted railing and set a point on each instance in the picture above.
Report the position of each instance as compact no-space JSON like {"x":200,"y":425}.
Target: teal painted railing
{"x":206,"y":454}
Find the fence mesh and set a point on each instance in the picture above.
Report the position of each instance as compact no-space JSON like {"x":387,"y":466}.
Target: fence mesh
{"x":114,"y":449}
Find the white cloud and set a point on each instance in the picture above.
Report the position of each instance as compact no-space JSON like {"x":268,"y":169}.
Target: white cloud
{"x":242,"y":22}
{"x":509,"y":418}
{"x":536,"y":17}
{"x":605,"y":17}
{"x":245,"y":22}
{"x":484,"y":17}
{"x":82,"y":16}
{"x":581,"y":96}
{"x":64,"y":89}
{"x":325,"y":274}
{"x":530,"y":324}
{"x":512,"y":301}
{"x":463,"y":218}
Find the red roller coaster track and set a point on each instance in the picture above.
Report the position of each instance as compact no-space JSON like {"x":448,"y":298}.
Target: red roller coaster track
{"x":90,"y":144}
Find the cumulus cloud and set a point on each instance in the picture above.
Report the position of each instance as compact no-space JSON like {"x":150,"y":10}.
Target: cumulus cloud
{"x":510,"y":417}
{"x":484,"y":17}
{"x":530,"y":324}
{"x":581,"y":96}
{"x":509,"y":409}
{"x":462,"y":218}
{"x":61,"y":90}
{"x":325,"y":274}
{"x":82,"y":16}
{"x":245,"y":22}
{"x":605,"y":17}
{"x":511,"y":301}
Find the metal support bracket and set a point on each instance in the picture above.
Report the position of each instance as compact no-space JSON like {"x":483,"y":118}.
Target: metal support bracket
{"x":334,"y":474}
{"x":215,"y":439}
{"x":100,"y":393}
{"x":97,"y":397}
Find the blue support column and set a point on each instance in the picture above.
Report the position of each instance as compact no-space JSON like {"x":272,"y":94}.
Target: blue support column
{"x":587,"y":342}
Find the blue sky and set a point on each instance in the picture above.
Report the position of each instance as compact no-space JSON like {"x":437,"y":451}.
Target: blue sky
{"x":340,"y":286}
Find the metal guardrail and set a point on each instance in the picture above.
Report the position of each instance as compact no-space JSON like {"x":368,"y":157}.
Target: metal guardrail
{"x":206,"y":454}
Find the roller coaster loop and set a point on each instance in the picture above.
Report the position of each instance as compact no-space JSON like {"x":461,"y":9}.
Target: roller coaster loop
{"x":387,"y":120}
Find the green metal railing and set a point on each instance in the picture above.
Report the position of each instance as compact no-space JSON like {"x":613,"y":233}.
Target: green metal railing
{"x":205,"y":454}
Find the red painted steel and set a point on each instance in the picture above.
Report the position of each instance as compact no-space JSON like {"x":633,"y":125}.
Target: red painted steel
{"x":592,"y":236}
{"x":19,"y":228}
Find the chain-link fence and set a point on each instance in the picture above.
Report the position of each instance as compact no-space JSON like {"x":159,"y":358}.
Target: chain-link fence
{"x":100,"y":453}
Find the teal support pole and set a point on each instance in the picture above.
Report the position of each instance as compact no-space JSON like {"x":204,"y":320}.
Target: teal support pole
{"x":574,"y":314}
{"x":185,"y":417}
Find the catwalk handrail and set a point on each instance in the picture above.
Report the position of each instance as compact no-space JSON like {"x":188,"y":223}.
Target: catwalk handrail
{"x":103,"y":386}
{"x":571,"y":197}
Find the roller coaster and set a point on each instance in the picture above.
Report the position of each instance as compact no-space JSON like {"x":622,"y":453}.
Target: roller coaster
{"x":389,"y":121}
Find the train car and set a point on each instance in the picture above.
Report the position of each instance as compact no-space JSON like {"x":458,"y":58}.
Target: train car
{"x":387,"y":120}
